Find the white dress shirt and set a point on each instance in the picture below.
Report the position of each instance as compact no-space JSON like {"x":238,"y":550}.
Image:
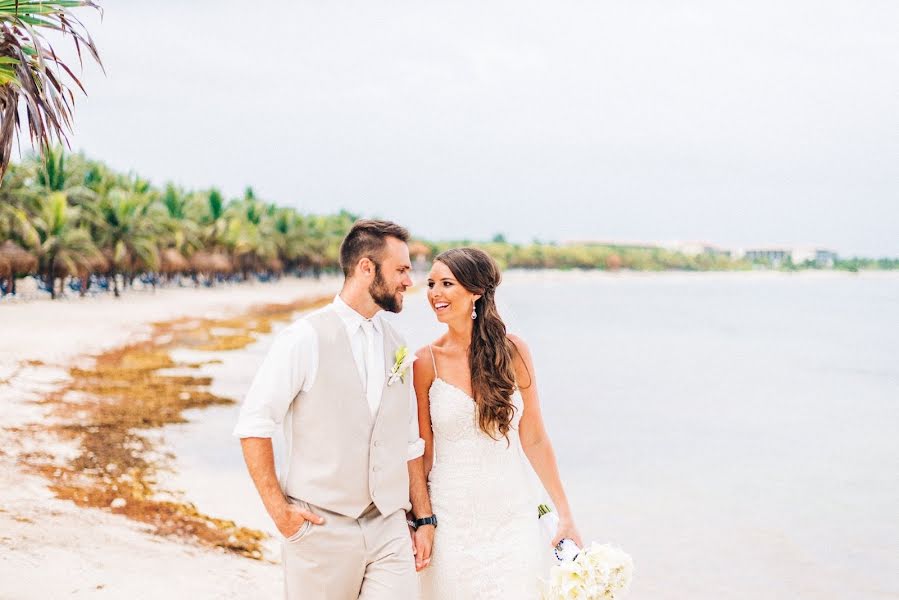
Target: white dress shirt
{"x":291,"y":366}
{"x":368,"y":354}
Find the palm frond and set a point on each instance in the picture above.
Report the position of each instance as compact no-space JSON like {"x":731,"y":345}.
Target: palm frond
{"x":33,"y":74}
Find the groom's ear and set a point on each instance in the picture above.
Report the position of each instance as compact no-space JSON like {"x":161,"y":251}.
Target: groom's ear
{"x":365,"y":266}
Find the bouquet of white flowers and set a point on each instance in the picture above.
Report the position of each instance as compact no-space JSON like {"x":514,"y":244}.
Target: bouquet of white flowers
{"x":597,"y":572}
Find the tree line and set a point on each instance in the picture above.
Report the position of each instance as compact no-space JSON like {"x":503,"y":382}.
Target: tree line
{"x":70,"y":220}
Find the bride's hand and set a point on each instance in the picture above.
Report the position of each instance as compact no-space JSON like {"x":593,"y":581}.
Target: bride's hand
{"x":568,"y":530}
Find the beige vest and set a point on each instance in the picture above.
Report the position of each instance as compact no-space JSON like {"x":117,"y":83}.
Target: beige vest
{"x":340,"y":458}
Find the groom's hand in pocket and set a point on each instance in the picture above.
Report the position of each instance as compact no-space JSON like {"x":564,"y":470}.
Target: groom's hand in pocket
{"x":423,"y":539}
{"x":294,"y":517}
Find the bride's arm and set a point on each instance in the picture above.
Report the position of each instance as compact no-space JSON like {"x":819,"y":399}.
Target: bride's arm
{"x":423,"y":537}
{"x":422,"y":378}
{"x":536,"y":443}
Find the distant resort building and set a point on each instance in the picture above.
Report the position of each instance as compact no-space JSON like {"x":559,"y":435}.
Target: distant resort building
{"x":775,"y":256}
{"x":822,"y":257}
{"x":778,"y":255}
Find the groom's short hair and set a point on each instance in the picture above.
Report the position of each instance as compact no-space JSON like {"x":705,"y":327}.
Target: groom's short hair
{"x":368,"y":237}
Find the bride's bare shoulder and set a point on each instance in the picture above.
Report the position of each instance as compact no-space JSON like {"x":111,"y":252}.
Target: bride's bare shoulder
{"x":423,"y":367}
{"x":520,"y":345}
{"x":421,"y":354}
{"x":521,"y":359}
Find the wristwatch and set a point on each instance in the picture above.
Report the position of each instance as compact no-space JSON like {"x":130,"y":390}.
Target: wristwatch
{"x":432,"y":520}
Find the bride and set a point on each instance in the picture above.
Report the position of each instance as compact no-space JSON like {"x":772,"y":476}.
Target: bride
{"x":478,"y":414}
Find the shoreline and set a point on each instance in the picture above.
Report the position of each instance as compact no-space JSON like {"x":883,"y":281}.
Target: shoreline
{"x":149,"y":292}
{"x":760,"y":274}
{"x":33,"y":324}
{"x":46,"y":379}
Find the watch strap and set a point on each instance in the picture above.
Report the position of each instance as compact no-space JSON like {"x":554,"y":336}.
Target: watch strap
{"x":432,"y":520}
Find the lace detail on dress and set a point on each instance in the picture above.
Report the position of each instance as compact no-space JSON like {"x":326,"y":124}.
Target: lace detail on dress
{"x":487,"y":544}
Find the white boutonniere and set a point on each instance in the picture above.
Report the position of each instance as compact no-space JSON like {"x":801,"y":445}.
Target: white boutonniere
{"x":401,"y":364}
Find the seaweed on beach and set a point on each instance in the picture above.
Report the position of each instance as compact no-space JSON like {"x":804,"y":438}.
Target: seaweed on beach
{"x":108,"y":409}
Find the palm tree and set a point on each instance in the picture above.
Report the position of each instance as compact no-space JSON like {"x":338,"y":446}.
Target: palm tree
{"x":207,"y":210}
{"x":126,"y":223}
{"x":290,"y":234}
{"x":56,"y":238}
{"x":33,"y":74}
{"x":250,"y":233}
{"x":183,"y":234}
{"x":53,"y":174}
{"x":180,"y":235}
{"x":328,"y":231}
{"x":11,"y":197}
{"x":100,"y":179}
{"x":57,"y":171}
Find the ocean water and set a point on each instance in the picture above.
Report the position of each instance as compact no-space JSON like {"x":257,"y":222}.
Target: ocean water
{"x":737,"y":434}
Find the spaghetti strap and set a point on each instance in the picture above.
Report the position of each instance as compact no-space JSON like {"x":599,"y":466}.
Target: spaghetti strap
{"x":433,"y":361}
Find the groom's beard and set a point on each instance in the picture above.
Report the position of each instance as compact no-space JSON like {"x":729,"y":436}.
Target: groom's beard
{"x":382,"y":295}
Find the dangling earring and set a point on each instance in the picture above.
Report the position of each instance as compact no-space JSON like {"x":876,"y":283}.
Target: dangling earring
{"x":474,"y":312}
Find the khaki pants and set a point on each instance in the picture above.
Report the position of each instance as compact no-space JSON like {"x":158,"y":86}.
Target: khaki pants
{"x":369,"y":558}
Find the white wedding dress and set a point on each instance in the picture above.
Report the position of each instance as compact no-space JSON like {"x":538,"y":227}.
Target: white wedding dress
{"x":487,"y":543}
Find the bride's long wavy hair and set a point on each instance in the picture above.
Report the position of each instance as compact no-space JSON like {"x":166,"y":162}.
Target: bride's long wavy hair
{"x":490,"y":357}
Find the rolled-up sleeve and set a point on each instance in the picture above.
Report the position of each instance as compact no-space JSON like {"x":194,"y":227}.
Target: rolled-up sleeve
{"x":288,"y":368}
{"x":416,"y":444}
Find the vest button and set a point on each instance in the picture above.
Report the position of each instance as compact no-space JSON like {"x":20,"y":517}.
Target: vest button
{"x":376,"y":468}
{"x":377,"y":443}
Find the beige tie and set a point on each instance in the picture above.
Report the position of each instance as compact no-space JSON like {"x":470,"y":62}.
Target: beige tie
{"x":368,"y":329}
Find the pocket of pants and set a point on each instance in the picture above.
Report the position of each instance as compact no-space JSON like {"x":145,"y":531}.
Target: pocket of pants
{"x":304,"y":529}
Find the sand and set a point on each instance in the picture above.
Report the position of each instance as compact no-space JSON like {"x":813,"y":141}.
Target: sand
{"x":50,"y":548}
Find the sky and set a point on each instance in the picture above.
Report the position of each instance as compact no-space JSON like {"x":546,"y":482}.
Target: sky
{"x":736,"y":123}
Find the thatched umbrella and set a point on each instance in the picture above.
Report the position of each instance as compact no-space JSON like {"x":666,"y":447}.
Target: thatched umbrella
{"x":99,"y":263}
{"x":221,"y":263}
{"x":20,"y":261}
{"x":201,"y":262}
{"x":172,"y":261}
{"x":210,"y":263}
{"x":275,"y":265}
{"x":124,"y":264}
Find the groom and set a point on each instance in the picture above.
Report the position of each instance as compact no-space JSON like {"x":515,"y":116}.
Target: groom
{"x":353,"y":454}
